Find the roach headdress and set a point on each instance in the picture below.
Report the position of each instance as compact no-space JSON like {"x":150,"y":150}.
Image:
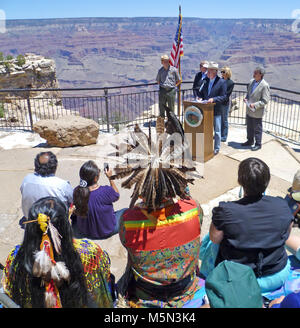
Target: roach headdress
{"x":159,"y":168}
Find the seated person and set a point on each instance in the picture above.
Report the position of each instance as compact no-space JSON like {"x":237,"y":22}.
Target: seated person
{"x":254,"y":229}
{"x":292,"y":300}
{"x":161,"y":234}
{"x":95,"y":217}
{"x":51,"y":269}
{"x":43,"y":183}
{"x":293,"y":198}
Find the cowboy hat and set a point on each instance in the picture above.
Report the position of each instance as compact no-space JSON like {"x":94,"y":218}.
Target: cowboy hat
{"x":204,"y":63}
{"x":164,"y":57}
{"x":213,"y":65}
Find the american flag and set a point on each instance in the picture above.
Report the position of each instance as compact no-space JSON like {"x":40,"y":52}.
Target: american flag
{"x":177,"y":49}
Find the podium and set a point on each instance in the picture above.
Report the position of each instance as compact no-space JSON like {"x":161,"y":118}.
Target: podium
{"x":199,"y":129}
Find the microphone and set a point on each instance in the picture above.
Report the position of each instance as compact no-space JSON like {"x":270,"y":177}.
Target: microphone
{"x":204,"y":82}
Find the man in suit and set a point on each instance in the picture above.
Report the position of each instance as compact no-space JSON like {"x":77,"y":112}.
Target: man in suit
{"x":199,"y":78}
{"x":258,"y":96}
{"x":214,"y":91}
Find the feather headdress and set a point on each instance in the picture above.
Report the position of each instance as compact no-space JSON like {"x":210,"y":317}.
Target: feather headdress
{"x":158,"y":169}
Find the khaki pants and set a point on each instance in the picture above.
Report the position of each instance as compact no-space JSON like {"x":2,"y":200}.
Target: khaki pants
{"x":166,"y":97}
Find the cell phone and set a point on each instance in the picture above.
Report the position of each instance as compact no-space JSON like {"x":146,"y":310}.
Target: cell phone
{"x":106,"y":167}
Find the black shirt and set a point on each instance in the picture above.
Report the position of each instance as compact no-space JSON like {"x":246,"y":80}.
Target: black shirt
{"x":255,"y":230}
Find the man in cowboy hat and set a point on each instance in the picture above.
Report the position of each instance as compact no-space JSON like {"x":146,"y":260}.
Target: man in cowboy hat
{"x":200,"y":77}
{"x":214,"y":91}
{"x":168,"y":79}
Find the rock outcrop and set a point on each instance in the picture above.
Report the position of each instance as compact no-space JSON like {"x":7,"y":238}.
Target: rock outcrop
{"x":19,"y":108}
{"x":36,"y":72}
{"x":68,"y":131}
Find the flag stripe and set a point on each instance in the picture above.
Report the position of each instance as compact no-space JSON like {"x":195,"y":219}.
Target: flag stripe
{"x":177,"y":47}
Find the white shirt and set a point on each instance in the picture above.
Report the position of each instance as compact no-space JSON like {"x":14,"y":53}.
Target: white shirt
{"x":35,"y":187}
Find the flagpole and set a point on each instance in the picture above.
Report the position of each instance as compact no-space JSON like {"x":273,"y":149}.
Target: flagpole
{"x":179,"y":87}
{"x":179,"y":90}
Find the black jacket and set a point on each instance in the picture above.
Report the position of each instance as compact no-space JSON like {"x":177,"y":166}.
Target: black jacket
{"x":230,"y":86}
{"x":198,"y":83}
{"x":255,"y":231}
{"x":218,"y":93}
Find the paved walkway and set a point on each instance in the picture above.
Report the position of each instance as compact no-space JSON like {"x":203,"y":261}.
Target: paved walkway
{"x":17,"y":152}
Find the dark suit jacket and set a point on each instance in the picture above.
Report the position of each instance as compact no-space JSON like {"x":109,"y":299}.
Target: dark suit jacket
{"x":198,"y":83}
{"x":230,"y":86}
{"x":218,"y":93}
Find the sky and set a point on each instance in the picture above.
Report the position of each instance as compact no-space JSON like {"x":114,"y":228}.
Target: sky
{"x":30,"y":9}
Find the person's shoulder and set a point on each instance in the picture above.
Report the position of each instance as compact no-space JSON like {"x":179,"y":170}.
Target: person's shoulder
{"x":105,"y":189}
{"x":30,"y":176}
{"x":12,"y":254}
{"x":264,"y":82}
{"x":173,"y":69}
{"x":134,"y":213}
{"x":188,"y":203}
{"x":87,"y":245}
{"x":223,"y":207}
{"x":277,"y":202}
{"x":220,"y":80}
{"x":230,"y":206}
{"x":276,"y":199}
{"x":58,"y":181}
{"x":89,"y":251}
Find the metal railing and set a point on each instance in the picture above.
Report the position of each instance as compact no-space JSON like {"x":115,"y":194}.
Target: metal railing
{"x":121,"y":106}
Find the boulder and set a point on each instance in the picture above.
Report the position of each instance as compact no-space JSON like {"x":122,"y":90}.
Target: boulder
{"x":68,"y":131}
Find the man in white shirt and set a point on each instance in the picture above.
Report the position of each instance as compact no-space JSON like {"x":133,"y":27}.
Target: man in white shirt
{"x":43,"y":183}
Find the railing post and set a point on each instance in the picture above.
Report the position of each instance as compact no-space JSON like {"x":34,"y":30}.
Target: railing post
{"x":29,"y":111}
{"x":106,"y":109}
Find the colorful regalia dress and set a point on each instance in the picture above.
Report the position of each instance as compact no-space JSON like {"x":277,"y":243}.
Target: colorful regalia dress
{"x":163,"y":251}
{"x":96,"y":265}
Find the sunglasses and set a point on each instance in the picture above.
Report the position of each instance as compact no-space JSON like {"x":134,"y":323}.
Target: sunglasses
{"x":223,"y":72}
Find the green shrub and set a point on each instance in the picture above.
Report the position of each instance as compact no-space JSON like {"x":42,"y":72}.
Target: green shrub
{"x":7,"y":66}
{"x":1,"y":111}
{"x":1,"y":56}
{"x":9,"y":57}
{"x":20,"y":60}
